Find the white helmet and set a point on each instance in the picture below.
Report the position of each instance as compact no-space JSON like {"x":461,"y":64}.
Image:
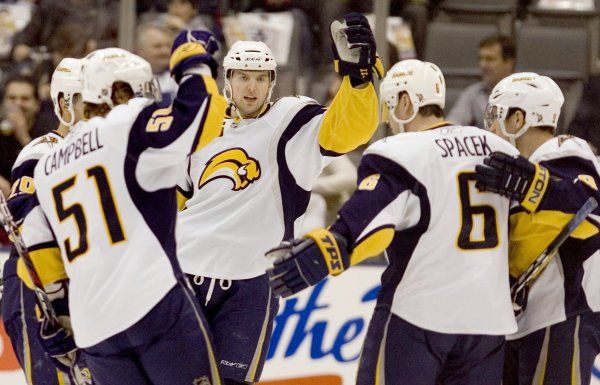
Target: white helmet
{"x":66,"y":80}
{"x":105,"y":66}
{"x":422,"y":81}
{"x":250,"y":56}
{"x":538,"y":96}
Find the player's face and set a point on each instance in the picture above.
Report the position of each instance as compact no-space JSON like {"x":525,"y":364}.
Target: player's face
{"x":250,"y":90}
{"x":492,"y":65}
{"x":22,"y":96}
{"x":78,"y":108}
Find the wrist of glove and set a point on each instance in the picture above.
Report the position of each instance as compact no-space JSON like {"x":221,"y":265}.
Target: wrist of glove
{"x":354,"y":49}
{"x":301,"y":263}
{"x":58,"y":342}
{"x":191,"y":49}
{"x":514,"y":177}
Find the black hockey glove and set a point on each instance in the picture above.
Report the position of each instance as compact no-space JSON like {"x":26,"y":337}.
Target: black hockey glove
{"x":191,"y":48}
{"x":354,"y":49}
{"x":300,"y":263}
{"x":514,"y":177}
{"x":55,"y":335}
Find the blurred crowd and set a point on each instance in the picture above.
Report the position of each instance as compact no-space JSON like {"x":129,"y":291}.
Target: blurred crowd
{"x":36,"y":34}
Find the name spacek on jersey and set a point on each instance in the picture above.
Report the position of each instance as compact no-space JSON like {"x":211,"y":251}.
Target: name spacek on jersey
{"x":446,"y":242}
{"x":108,"y":194}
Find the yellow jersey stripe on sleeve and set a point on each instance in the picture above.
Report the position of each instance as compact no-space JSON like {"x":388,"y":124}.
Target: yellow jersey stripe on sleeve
{"x":48,"y":264}
{"x":212,"y":126}
{"x":351,"y":119}
{"x":531,"y":233}
{"x":372,"y":245}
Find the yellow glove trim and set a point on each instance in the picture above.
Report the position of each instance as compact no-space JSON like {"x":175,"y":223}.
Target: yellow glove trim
{"x":329,"y":249}
{"x":185,"y":51}
{"x":537,"y":189}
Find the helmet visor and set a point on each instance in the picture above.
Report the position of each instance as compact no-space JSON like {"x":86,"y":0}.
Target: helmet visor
{"x":151,"y":90}
{"x":492,"y":113}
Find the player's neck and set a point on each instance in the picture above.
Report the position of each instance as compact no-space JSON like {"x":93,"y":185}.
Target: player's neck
{"x":531,"y":140}
{"x":423,"y":123}
{"x":63,"y":129}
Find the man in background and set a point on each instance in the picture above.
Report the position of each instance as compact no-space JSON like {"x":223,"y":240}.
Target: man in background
{"x":496,"y":61}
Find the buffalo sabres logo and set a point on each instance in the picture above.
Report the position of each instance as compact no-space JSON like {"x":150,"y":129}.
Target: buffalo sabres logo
{"x":233,"y":164}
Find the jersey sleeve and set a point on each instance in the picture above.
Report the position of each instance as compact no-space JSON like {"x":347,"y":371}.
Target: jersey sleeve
{"x":23,"y":186}
{"x":351,"y":119}
{"x":317,"y":133}
{"x":386,"y":201}
{"x":574,"y":180}
{"x":42,"y":247}
{"x":165,"y":137}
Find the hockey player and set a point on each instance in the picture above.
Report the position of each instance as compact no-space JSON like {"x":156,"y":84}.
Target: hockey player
{"x":559,"y":330}
{"x":249,"y":188}
{"x":444,"y":305}
{"x":106,"y":217}
{"x":18,"y":305}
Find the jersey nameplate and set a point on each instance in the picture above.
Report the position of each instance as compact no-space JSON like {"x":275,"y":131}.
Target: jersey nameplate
{"x":87,"y":143}
{"x":473,"y":145}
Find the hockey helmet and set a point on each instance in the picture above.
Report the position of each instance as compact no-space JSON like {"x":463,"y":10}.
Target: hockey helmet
{"x":66,"y":80}
{"x":422,"y":81}
{"x":105,"y":66}
{"x":539,"y":97}
{"x":249,"y":56}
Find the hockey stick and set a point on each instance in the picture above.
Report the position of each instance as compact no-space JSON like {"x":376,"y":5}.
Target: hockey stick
{"x":13,"y":230}
{"x":7,"y":220}
{"x":539,"y":264}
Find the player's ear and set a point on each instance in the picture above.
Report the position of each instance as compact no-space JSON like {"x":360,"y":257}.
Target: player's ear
{"x":63,"y":104}
{"x":517,"y":120}
{"x":402,"y":106}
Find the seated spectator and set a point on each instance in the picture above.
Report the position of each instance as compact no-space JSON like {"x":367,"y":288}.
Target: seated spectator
{"x":496,"y":61}
{"x":98,"y":17}
{"x":586,"y":123}
{"x":20,"y":121}
{"x":153,"y":43}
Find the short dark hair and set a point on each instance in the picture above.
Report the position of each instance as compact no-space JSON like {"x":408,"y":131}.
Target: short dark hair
{"x":507,"y":45}
{"x":431,"y":110}
{"x":22,"y":79}
{"x":120,"y":92}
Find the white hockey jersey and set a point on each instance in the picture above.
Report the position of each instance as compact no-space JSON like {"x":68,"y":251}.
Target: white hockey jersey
{"x":248,"y":189}
{"x":108,"y":194}
{"x":446,"y":242}
{"x":569,"y":285}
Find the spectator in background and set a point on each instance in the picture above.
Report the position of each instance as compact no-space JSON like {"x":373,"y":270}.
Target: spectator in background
{"x":586,"y":123}
{"x":69,"y":40}
{"x":496,"y":61}
{"x":180,"y":15}
{"x":98,"y":17}
{"x":20,"y":121}
{"x":153,"y":43}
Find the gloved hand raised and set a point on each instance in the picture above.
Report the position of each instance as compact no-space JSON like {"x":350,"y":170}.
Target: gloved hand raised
{"x":190,"y":49}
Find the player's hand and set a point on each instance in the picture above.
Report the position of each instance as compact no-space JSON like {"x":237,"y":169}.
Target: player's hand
{"x":57,"y":340}
{"x":354,"y":49}
{"x":301,"y":263}
{"x":190,"y":49}
{"x":514,"y":177}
